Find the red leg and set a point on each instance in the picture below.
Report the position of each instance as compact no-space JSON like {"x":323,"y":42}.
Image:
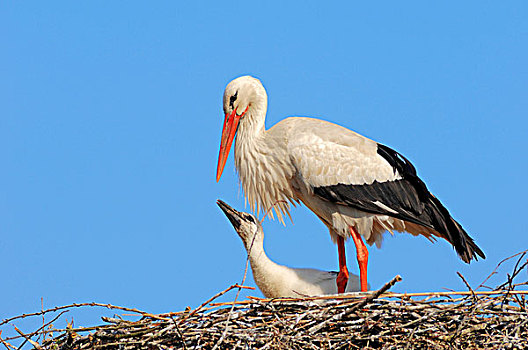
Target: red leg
{"x":342,"y":277}
{"x":362,"y":258}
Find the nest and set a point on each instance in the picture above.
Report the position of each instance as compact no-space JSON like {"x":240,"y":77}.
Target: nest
{"x":472,"y":319}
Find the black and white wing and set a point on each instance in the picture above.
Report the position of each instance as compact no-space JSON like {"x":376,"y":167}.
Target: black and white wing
{"x":348,"y":169}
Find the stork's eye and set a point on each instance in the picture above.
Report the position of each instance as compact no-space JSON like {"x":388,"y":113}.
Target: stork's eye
{"x":250,"y":218}
{"x":232,"y":99}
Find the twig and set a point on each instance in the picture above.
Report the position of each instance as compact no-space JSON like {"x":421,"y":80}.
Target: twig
{"x":217,"y":295}
{"x":41,"y":328}
{"x":5,"y":343}
{"x":34,"y":343}
{"x":497,"y":267}
{"x":467,"y":285}
{"x":515,"y":272}
{"x":179,"y":333}
{"x":270,"y":208}
{"x":76,"y":305}
{"x":43,"y":317}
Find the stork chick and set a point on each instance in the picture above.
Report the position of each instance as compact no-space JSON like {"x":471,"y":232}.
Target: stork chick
{"x":279,"y":281}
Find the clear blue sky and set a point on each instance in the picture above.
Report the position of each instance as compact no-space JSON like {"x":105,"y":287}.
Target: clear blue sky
{"x":110,"y":122}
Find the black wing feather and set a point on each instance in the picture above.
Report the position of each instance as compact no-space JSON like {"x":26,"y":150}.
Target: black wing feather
{"x":408,"y":197}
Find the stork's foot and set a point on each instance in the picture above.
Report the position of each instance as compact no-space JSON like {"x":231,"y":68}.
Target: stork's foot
{"x":342,"y":280}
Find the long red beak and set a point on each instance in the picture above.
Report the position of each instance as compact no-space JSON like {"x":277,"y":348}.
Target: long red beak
{"x":228,"y":134}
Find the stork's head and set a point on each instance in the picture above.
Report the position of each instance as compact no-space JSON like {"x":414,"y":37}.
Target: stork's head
{"x":245,"y":101}
{"x":246,"y":225}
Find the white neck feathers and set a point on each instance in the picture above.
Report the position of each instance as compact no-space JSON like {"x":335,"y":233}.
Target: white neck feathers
{"x":271,"y":278}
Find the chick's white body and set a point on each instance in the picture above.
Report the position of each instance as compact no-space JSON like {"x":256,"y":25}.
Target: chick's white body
{"x":275,"y":280}
{"x":279,"y":281}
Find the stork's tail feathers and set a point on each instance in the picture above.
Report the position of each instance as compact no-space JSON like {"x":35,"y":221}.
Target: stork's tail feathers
{"x":453,"y":232}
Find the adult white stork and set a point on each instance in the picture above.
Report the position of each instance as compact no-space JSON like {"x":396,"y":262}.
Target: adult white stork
{"x":357,"y":187}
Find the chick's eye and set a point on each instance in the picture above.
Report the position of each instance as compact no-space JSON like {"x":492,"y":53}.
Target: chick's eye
{"x":250,"y":218}
{"x":232,"y":99}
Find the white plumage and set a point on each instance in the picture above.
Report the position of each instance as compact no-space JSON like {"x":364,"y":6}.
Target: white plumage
{"x":274,"y":280}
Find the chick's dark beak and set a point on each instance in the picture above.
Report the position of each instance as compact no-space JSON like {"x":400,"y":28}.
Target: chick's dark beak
{"x":232,"y":214}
